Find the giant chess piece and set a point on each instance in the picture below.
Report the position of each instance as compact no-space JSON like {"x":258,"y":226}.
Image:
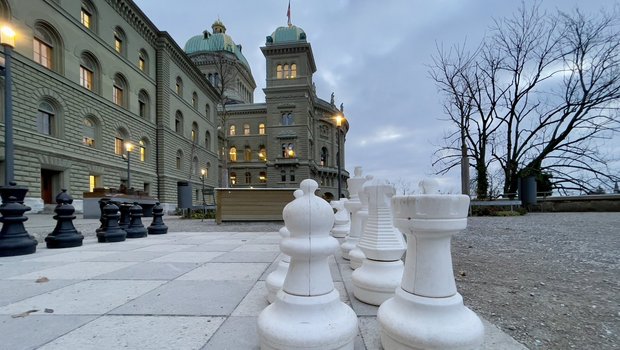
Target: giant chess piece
{"x":14,"y":239}
{"x":382,"y":270}
{"x":102,"y":203}
{"x":157,"y":226}
{"x":356,"y":255}
{"x":135,"y":229}
{"x":275,"y":280}
{"x":342,"y":219}
{"x":427,"y":312}
{"x":110,"y":231}
{"x":64,"y":234}
{"x":307,"y":313}
{"x":125,"y":218}
{"x":353,"y":205}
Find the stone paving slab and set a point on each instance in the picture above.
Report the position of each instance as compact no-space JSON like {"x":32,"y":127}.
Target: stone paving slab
{"x":182,"y":290}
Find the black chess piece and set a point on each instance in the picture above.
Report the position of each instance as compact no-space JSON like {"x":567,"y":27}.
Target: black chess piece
{"x":158,"y":227}
{"x":64,"y":234}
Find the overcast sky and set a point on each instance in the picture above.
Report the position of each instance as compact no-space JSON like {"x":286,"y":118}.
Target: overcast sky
{"x":373,"y":55}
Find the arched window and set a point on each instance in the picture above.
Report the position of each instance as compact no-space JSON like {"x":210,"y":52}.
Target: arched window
{"x":246,"y":129}
{"x":324,"y":157}
{"x":120,"y":41}
{"x":279,"y":71}
{"x":247,"y":154}
{"x":248,"y":177}
{"x":178,"y":122}
{"x":287,"y":119}
{"x":216,"y":79}
{"x":46,"y":118}
{"x":47,"y":47}
{"x":233,"y":154}
{"x":282,"y":175}
{"x":194,"y":132}
{"x":208,"y":111}
{"x":195,"y":169}
{"x":286,"y":70}
{"x":89,"y":131}
{"x":261,"y":129}
{"x":119,"y":141}
{"x":232,"y":130}
{"x":292,"y":175}
{"x":89,"y":72}
{"x":144,"y":104}
{"x":143,"y":61}
{"x":262,"y":153}
{"x":288,"y":150}
{"x":233,"y":178}
{"x":179,"y":159}
{"x":143,"y":149}
{"x":262,"y":177}
{"x":120,"y":91}
{"x":179,"y":86}
{"x":88,"y":15}
{"x":293,"y":71}
{"x":194,"y":99}
{"x":208,"y":140}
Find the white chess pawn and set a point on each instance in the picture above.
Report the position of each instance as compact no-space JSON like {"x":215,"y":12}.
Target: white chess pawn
{"x":307,"y":313}
{"x":382,"y":270}
{"x":356,"y":255}
{"x":342,"y":222}
{"x":427,"y":312}
{"x":275,"y":280}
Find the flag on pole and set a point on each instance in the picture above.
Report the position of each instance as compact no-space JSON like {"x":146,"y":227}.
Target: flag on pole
{"x":288,"y":13}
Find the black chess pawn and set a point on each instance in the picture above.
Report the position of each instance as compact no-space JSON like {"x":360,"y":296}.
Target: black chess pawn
{"x":14,"y":239}
{"x":136,"y":229}
{"x":64,"y":235}
{"x":111,"y":232}
{"x":123,"y":222}
{"x":102,"y":203}
{"x":158,"y":227}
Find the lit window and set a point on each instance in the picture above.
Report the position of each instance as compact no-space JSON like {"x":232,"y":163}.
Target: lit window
{"x":279,"y":71}
{"x":118,"y":145}
{"x":119,"y":40}
{"x":194,"y":132}
{"x":86,"y":78}
{"x":88,"y":69}
{"x":233,"y":178}
{"x":85,"y":18}
{"x":324,"y":156}
{"x":118,"y":91}
{"x":143,"y":60}
{"x":247,"y":155}
{"x":88,"y":15}
{"x":45,"y":119}
{"x":178,"y":159}
{"x":262,"y":178}
{"x":88,"y":131}
{"x":261,"y":129}
{"x":288,"y":150}
{"x":142,"y":151}
{"x":293,"y":71}
{"x":262,"y":154}
{"x":246,"y":129}
{"x":232,"y":130}
{"x":233,"y":154}
{"x":42,"y":53}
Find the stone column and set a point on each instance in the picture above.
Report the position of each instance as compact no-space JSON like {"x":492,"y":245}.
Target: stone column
{"x":353,"y":205}
{"x":382,"y":270}
{"x":427,"y":312}
{"x":307,"y":313}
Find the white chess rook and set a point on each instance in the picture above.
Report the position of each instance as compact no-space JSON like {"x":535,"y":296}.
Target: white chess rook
{"x":382,"y":270}
{"x":427,"y":312}
{"x":342,"y":222}
{"x":307,"y":313}
{"x":353,"y":205}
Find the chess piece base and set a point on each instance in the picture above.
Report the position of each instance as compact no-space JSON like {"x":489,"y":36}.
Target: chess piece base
{"x":375,"y":281}
{"x":356,"y":257}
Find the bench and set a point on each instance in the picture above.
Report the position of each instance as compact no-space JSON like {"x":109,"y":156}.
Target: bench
{"x":495,"y":203}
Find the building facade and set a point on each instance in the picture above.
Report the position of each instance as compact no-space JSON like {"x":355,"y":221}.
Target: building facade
{"x":89,"y":77}
{"x":294,"y":134}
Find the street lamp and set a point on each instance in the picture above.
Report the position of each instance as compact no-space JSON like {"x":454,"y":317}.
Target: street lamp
{"x":203,"y":173}
{"x":7,"y":39}
{"x":339,"y":119}
{"x":128,"y":148}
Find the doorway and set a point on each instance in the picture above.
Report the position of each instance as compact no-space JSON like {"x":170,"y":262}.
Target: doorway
{"x":50,"y":183}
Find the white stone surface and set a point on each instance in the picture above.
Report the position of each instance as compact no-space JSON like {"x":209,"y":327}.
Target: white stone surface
{"x":307,"y":313}
{"x":342,"y":219}
{"x":427,"y":312}
{"x":78,"y":270}
{"x":353,"y":205}
{"x":188,"y":257}
{"x":226,"y":271}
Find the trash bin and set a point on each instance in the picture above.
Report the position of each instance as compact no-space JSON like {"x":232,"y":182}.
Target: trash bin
{"x":527,"y":190}
{"x":184,"y":195}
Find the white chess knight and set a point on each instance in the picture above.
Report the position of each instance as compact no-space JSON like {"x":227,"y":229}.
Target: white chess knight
{"x":353,"y":205}
{"x":342,"y":222}
{"x":427,"y":312}
{"x":307,"y":312}
{"x":275,"y":280}
{"x":382,"y":270}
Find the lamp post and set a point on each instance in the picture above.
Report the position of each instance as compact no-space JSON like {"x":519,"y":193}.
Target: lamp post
{"x":339,"y":119}
{"x":7,"y":39}
{"x":203,"y":173}
{"x":128,"y":148}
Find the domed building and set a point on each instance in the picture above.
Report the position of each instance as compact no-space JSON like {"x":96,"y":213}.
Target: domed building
{"x":294,"y":134}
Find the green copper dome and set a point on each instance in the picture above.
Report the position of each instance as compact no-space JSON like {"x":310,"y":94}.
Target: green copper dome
{"x":288,"y":34}
{"x":218,"y":41}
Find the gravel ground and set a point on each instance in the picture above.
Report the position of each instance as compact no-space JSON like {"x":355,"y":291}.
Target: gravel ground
{"x":549,"y":280}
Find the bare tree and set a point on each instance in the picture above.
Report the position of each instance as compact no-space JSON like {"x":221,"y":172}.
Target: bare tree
{"x":541,"y":91}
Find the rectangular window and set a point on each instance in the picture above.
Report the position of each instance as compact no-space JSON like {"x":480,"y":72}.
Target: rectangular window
{"x":85,"y":18}
{"x":118,"y":146}
{"x":94,"y":182}
{"x":86,"y":78}
{"x":117,"y":95}
{"x":45,"y":122}
{"x":42,"y":53}
{"x":118,"y":44}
